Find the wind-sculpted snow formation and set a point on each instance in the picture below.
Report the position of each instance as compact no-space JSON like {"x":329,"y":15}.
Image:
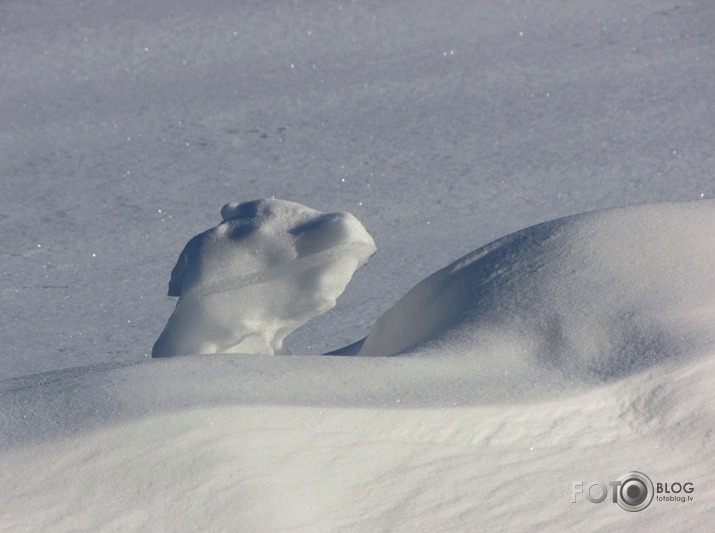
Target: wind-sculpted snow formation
{"x":268,"y":268}
{"x":595,"y":296}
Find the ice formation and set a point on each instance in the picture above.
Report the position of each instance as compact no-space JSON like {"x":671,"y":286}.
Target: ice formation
{"x":597,"y":295}
{"x":268,"y":268}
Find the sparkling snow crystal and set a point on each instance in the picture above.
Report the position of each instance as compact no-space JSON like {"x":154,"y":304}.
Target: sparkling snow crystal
{"x":268,"y":268}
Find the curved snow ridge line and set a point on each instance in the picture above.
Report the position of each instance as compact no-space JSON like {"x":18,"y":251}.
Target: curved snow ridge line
{"x":101,"y":395}
{"x":596,"y":296}
{"x":60,"y":404}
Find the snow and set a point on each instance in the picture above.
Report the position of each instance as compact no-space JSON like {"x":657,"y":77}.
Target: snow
{"x":265,"y":270}
{"x":347,"y":443}
{"x":594,"y":296}
{"x":441,"y":127}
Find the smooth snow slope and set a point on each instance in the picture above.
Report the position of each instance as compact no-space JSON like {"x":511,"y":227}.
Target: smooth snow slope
{"x":455,"y":437}
{"x":597,"y":296}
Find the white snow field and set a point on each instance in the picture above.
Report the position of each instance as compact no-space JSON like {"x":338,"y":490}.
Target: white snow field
{"x":559,"y":357}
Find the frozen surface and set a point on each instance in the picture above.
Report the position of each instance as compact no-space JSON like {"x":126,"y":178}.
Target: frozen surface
{"x":442,"y":127}
{"x":265,"y":270}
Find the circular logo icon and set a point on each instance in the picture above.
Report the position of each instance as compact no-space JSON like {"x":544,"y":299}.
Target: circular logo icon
{"x":635,"y":492}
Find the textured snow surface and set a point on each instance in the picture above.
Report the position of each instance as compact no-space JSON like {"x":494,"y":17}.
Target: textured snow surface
{"x":268,"y":268}
{"x":442,"y":126}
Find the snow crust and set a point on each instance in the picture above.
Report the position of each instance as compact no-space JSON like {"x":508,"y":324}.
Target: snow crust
{"x":266,"y":269}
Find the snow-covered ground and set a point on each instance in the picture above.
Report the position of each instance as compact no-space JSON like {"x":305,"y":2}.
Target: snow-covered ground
{"x":442,"y":127}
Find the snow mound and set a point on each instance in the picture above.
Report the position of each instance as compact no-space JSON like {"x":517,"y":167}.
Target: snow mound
{"x":595,"y":296}
{"x":267,"y":269}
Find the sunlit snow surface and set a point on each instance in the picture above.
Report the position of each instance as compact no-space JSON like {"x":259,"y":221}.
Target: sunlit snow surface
{"x":265,"y":270}
{"x":596,"y":296}
{"x":442,"y":126}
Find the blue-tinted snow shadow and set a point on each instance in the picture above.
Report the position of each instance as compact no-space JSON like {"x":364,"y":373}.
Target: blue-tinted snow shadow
{"x":68,"y":402}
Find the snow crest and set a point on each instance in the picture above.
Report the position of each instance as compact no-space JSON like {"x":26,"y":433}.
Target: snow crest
{"x":267,"y":269}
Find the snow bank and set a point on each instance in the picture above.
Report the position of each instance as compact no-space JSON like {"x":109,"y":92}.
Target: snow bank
{"x":594,"y":296}
{"x":268,"y":268}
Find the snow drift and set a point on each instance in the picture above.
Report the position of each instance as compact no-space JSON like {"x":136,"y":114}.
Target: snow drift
{"x":178,"y":444}
{"x":268,"y":268}
{"x":595,"y":296}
